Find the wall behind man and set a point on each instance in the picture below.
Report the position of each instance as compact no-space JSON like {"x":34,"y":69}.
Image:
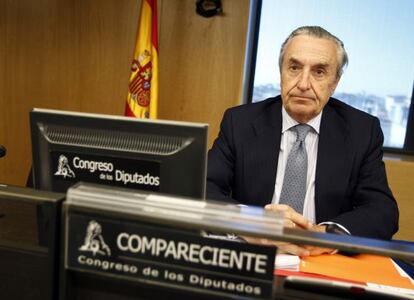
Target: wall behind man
{"x":76,"y":55}
{"x":401,"y":179}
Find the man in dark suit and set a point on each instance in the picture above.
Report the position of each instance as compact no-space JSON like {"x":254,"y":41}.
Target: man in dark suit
{"x":345,"y":183}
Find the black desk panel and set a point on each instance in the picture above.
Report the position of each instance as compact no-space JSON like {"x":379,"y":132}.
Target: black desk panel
{"x":29,"y":243}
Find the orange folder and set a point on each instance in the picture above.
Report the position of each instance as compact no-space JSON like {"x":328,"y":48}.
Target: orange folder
{"x":362,"y":268}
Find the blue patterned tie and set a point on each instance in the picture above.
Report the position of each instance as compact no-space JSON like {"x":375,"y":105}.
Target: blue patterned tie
{"x":294,"y":182}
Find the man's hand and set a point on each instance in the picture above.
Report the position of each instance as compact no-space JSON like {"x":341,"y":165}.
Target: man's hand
{"x":282,"y":247}
{"x":292,"y":219}
{"x":314,"y":250}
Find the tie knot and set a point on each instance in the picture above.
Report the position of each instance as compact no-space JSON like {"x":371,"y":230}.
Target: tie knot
{"x":301,"y":130}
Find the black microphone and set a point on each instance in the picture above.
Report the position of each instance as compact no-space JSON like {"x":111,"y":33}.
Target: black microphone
{"x":3,"y":151}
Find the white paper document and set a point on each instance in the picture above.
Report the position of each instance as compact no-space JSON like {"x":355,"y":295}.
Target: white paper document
{"x":287,"y":262}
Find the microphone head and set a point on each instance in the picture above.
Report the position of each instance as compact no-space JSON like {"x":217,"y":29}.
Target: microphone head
{"x":3,"y":151}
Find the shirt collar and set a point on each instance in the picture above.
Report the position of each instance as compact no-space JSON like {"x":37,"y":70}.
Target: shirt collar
{"x":288,"y":122}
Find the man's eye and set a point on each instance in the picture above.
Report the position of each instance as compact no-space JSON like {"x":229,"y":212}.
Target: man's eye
{"x":293,"y":68}
{"x":319,"y":72}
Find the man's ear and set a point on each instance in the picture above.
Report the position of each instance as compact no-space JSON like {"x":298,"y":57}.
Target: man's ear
{"x":335,"y":84}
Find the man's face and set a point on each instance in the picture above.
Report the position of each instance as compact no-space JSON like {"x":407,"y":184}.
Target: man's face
{"x":308,"y":76}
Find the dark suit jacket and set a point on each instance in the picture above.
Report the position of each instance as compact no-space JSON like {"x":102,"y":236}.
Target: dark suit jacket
{"x":350,"y":186}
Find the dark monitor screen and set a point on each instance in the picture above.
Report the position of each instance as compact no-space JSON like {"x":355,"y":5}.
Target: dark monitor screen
{"x":161,"y":156}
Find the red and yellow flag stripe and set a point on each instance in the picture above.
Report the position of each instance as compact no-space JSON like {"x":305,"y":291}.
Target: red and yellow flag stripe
{"x":142,"y":101}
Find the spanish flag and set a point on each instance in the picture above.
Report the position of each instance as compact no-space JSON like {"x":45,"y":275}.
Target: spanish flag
{"x":142,"y":99}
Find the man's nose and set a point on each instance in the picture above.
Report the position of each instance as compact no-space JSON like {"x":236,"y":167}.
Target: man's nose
{"x":304,"y":81}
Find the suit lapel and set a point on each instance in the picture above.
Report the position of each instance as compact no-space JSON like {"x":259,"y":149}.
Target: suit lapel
{"x":332,"y":164}
{"x":261,"y":155}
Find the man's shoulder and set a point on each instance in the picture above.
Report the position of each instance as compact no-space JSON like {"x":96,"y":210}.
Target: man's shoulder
{"x":252,"y":110}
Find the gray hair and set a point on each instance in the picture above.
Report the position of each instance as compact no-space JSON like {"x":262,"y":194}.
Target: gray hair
{"x":319,"y":32}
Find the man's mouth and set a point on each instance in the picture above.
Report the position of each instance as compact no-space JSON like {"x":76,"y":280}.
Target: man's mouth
{"x":302,"y":98}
